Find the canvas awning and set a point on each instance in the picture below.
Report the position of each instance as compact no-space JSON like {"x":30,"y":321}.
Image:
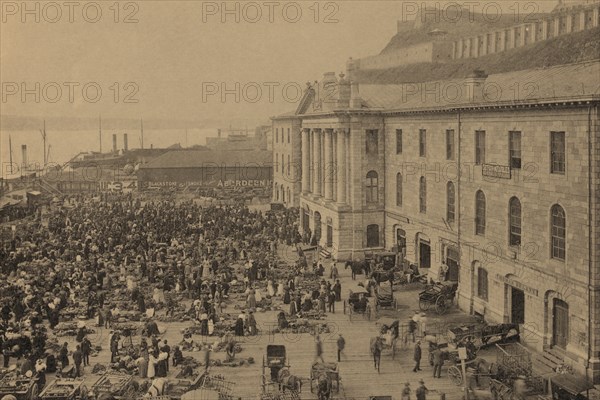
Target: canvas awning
{"x":572,"y":383}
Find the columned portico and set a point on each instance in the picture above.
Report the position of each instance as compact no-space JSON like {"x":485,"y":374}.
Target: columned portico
{"x":329,"y":165}
{"x":306,"y":160}
{"x":316,"y":162}
{"x":341,"y":166}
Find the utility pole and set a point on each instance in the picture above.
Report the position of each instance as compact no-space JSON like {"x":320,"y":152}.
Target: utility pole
{"x":10,"y":152}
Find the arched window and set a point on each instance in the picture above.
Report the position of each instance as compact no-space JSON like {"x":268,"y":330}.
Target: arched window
{"x":289,"y":195}
{"x":514,"y":219}
{"x":399,"y":189}
{"x":422,"y":195}
{"x":372,"y":187}
{"x":450,"y":202}
{"x":276,"y":192}
{"x":479,"y":213}
{"x":559,"y":228}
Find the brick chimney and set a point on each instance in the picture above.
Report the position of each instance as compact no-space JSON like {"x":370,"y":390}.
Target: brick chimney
{"x":355,"y":100}
{"x":344,"y":92}
{"x":125,"y":144}
{"x":475,"y":83}
{"x":114,"y":143}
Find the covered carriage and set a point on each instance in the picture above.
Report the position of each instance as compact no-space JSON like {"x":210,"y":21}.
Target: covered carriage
{"x":324,"y":379}
{"x":357,"y":303}
{"x":438,"y":295}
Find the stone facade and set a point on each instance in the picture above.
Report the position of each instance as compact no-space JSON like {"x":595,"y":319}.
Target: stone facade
{"x":361,"y":190}
{"x":286,"y":161}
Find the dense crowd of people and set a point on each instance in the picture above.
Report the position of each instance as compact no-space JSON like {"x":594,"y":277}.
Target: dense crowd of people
{"x":91,"y":246}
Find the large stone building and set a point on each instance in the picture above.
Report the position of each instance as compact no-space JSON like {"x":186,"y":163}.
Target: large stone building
{"x":518,"y":223}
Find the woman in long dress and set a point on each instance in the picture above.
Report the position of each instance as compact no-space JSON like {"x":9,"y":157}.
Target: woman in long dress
{"x":270,"y":288}
{"x":152,"y":361}
{"x":143,"y":363}
{"x":251,"y":300}
{"x":280,"y":289}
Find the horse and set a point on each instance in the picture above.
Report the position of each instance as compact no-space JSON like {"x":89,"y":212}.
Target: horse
{"x":288,"y":381}
{"x":376,"y":349}
{"x":357,"y":267}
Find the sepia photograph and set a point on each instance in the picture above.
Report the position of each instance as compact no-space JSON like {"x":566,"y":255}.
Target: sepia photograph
{"x":300,"y":200}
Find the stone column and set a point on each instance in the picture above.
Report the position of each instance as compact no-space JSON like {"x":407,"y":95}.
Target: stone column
{"x":595,"y":17}
{"x":341,"y":166}
{"x":328,"y":164}
{"x":305,"y":160}
{"x":317,"y":162}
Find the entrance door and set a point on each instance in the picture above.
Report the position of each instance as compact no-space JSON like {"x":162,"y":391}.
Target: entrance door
{"x":329,"y":236}
{"x":560,"y":329}
{"x":305,"y":221}
{"x":452,"y":258}
{"x":401,"y":241}
{"x":424,"y":254}
{"x":517,"y":306}
{"x":317,"y":233}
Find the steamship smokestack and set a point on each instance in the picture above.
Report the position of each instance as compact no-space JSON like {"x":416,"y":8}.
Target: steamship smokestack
{"x":114,"y":143}
{"x":24,"y":155}
{"x":125,"y":142}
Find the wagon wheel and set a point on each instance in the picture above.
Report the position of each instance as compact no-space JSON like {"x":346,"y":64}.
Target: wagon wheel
{"x":424,"y":304}
{"x":441,"y":305}
{"x":455,"y":375}
{"x":33,"y":395}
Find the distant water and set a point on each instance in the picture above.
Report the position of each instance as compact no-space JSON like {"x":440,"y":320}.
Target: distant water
{"x":64,"y":145}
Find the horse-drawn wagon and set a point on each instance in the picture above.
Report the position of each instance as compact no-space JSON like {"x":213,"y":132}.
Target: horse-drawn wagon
{"x":357,"y":303}
{"x":438,"y":295}
{"x":324,"y":379}
{"x":65,"y":389}
{"x":481,"y":335}
{"x":385,"y":297}
{"x":21,"y":387}
{"x":115,"y":384}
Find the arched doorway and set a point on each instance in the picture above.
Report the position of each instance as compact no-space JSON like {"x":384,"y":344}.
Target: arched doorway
{"x":560,"y":323}
{"x":401,"y":241}
{"x":423,"y":245}
{"x":373,"y":235}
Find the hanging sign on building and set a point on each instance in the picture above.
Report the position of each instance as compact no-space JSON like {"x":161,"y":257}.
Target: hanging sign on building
{"x":496,"y":171}
{"x":517,"y":285}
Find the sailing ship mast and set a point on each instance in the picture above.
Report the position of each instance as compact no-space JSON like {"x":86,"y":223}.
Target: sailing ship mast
{"x":142,"y":131}
{"x":43,"y":132}
{"x":100,"y":131}
{"x":10,"y":151}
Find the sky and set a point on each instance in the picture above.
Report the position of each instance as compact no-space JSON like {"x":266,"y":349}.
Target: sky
{"x":175,"y":59}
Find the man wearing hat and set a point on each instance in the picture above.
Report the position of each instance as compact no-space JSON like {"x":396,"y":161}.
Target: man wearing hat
{"x":406,"y":391}
{"x":417,"y":356}
{"x":422,"y":391}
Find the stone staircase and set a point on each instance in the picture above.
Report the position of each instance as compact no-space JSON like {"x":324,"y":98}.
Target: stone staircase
{"x":324,"y":254}
{"x":547,"y":361}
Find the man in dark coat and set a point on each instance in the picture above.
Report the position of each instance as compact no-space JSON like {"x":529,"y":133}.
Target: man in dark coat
{"x":77,"y":360}
{"x":63,"y":355}
{"x":86,"y":349}
{"x":166,"y":349}
{"x":417,"y":356}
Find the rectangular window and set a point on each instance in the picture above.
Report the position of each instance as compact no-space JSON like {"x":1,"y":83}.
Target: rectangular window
{"x":450,"y":144}
{"x":288,"y":132}
{"x":479,"y":147}
{"x":372,"y":142}
{"x":422,"y":142}
{"x":515,"y":149}
{"x":557,"y":152}
{"x":398,"y":141}
{"x":282,"y":165}
{"x":288,"y":164}
{"x":282,"y":133}
{"x":482,"y":284}
{"x":276,"y":135}
{"x":276,"y":162}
